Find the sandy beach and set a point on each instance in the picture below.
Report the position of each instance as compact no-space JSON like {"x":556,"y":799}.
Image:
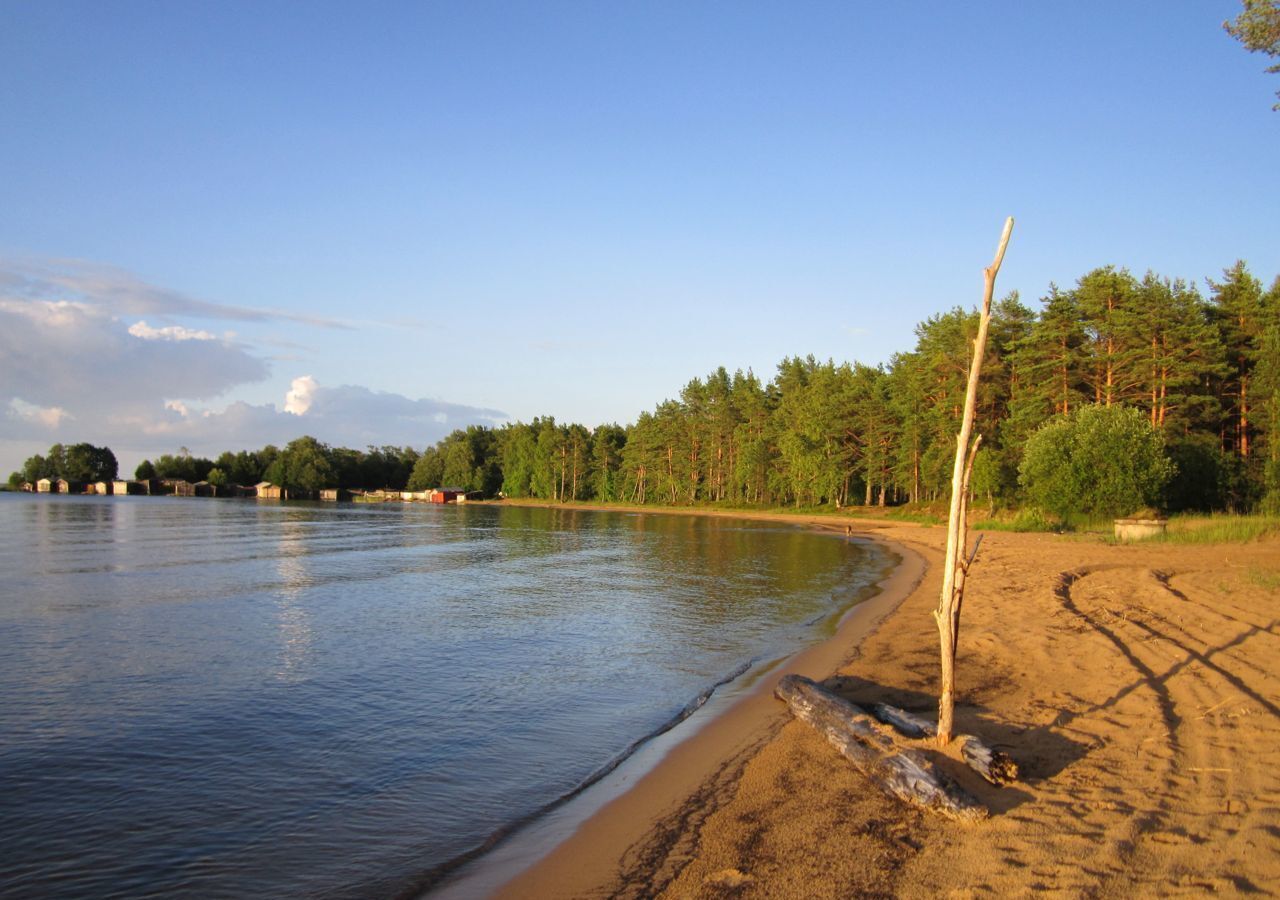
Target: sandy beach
{"x":1135,"y":685}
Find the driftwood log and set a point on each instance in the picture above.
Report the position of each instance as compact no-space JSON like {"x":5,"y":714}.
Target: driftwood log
{"x":992,"y":765}
{"x":901,"y":772}
{"x":910,"y":724}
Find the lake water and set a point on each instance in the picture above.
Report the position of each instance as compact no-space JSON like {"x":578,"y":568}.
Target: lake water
{"x":228,"y":698}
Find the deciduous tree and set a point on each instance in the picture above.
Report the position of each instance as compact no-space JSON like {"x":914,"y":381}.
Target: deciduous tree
{"x":1107,"y":461}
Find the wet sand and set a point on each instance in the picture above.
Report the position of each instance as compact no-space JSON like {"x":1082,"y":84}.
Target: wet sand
{"x":1137,"y":686}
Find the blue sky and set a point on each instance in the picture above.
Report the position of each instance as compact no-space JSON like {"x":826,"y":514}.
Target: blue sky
{"x":419,"y":215}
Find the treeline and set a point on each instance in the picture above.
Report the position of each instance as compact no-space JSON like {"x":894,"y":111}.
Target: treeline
{"x":1203,"y":371}
{"x":305,"y":464}
{"x":76,"y":462}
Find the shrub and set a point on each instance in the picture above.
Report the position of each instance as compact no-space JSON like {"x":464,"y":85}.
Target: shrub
{"x":1100,"y":461}
{"x":1204,"y":474}
{"x":1270,"y":504}
{"x":1029,"y":519}
{"x":1033,"y":520}
{"x":992,"y":477}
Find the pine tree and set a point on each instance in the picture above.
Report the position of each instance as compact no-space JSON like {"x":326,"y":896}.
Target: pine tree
{"x":1238,"y":313}
{"x":1267,"y":391}
{"x":517,"y":453}
{"x":752,"y":452}
{"x":1105,"y":299}
{"x":1182,"y":355}
{"x":607,"y":443}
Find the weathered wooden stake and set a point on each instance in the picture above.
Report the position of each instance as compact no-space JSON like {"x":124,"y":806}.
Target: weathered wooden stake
{"x":956,"y":566}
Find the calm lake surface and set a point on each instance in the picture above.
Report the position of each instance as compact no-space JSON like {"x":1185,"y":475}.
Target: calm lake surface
{"x":229,"y":698}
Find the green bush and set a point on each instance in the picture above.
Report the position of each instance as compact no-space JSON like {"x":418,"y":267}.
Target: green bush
{"x":1270,"y":504}
{"x":1204,"y":474}
{"x":1034,"y":520}
{"x":992,"y":477}
{"x":1099,"y":461}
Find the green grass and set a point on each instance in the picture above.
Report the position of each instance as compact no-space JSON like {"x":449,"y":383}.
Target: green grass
{"x":1210,"y":528}
{"x":920,"y":517}
{"x":1219,"y":528}
{"x":1198,"y":528}
{"x":1018,"y":520}
{"x":1036,"y":520}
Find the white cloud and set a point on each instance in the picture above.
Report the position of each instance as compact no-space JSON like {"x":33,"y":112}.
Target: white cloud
{"x":49,"y":313}
{"x":298,"y":399}
{"x":123,"y":293}
{"x":347,"y":415}
{"x":169,"y":333}
{"x":72,"y":369}
{"x":45,"y":416}
{"x":77,"y":358}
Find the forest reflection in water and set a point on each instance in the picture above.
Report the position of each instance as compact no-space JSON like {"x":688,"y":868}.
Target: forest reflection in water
{"x":239,"y":697}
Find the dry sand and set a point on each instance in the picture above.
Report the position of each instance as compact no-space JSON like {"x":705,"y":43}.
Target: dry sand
{"x":1137,"y":686}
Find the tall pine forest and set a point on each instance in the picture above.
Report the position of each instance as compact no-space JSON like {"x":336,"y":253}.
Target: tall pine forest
{"x":1205,"y":370}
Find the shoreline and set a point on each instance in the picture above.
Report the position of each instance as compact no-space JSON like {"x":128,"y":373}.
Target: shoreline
{"x":1134,"y":684}
{"x":675,"y":787}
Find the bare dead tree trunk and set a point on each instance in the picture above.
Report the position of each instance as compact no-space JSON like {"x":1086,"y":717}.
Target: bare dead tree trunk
{"x":956,"y":566}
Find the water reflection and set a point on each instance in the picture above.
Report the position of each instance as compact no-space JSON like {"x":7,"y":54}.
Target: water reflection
{"x":292,"y":616}
{"x":222,"y":698}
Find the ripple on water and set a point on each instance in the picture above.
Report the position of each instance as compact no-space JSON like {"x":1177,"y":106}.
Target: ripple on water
{"x":227,"y":698}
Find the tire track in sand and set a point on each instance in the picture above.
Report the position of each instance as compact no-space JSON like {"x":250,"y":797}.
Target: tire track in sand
{"x":1204,"y":672}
